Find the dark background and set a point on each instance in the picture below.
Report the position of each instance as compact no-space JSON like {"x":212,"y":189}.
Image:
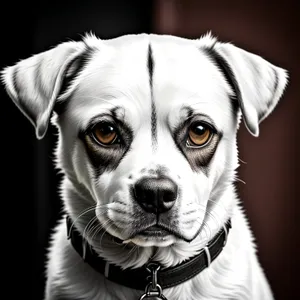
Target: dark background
{"x":30,"y":204}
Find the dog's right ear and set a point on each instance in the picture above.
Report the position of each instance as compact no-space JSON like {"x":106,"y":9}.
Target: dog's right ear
{"x":257,"y":84}
{"x":35,"y":83}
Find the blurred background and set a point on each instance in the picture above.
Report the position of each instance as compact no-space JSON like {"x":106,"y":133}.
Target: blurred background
{"x":30,"y":203}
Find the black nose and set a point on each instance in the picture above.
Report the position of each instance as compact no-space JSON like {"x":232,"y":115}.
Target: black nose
{"x":155,"y":195}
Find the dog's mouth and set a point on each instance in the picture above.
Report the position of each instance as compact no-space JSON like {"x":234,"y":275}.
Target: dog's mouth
{"x":149,"y":229}
{"x":154,"y":231}
{"x":150,"y":236}
{"x":157,"y":233}
{"x":154,"y":235}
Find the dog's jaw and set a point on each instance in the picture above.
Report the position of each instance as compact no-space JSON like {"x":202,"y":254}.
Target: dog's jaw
{"x":137,"y":252}
{"x":138,"y":227}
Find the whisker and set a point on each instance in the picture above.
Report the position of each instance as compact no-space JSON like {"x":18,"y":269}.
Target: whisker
{"x":209,"y":213}
{"x":91,"y":229}
{"x":205,"y":226}
{"x":98,"y":228}
{"x":132,"y":250}
{"x":81,"y":214}
{"x":214,"y":217}
{"x":105,"y":230}
{"x":96,"y":231}
{"x":218,"y":204}
{"x":240,"y":180}
{"x":87,"y":227}
{"x":242,"y":161}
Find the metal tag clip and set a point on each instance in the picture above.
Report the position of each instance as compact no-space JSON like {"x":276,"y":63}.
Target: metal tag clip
{"x":153,"y":289}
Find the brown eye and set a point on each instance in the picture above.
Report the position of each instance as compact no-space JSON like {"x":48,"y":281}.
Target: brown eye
{"x":199,"y":134}
{"x":105,"y":133}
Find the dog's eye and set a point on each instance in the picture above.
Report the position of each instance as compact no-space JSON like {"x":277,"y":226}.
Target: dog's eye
{"x":199,"y":134}
{"x":105,"y":133}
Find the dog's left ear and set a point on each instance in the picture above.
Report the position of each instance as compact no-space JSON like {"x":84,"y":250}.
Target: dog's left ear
{"x":35,"y":83}
{"x":258,"y":85}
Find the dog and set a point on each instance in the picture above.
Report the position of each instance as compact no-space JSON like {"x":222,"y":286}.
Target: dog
{"x":147,"y":128}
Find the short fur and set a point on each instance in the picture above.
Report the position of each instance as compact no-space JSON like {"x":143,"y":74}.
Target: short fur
{"x":152,"y":88}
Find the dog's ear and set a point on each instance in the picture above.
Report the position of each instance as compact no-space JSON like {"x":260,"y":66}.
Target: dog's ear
{"x":35,"y":83}
{"x":257,"y":84}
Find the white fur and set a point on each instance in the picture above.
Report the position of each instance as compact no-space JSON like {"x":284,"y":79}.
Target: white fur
{"x":117,"y":75}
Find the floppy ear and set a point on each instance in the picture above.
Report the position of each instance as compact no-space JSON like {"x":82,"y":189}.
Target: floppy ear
{"x":35,"y":83}
{"x":257,"y":84}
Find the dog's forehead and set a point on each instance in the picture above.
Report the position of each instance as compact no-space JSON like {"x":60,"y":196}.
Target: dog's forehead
{"x":128,"y":58}
{"x":181,"y":74}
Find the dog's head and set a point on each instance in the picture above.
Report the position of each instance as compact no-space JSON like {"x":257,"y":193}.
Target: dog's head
{"x":147,"y":126}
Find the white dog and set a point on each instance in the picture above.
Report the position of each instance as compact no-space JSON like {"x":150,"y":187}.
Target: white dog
{"x":147,"y":145}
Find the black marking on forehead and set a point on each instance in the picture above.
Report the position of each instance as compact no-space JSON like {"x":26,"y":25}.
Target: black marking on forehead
{"x":153,"y":108}
{"x":107,"y":158}
{"x":78,"y":65}
{"x":150,"y":64}
{"x":227,"y":72}
{"x":153,"y":125}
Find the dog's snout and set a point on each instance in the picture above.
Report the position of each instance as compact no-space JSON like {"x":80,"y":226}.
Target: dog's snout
{"x":155,"y":195}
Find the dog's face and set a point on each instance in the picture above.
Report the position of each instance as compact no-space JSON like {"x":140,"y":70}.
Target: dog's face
{"x":147,"y":125}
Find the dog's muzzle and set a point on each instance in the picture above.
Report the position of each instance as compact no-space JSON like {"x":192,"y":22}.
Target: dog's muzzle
{"x":155,"y":195}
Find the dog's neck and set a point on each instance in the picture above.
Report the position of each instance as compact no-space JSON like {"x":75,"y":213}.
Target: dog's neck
{"x":130,"y":255}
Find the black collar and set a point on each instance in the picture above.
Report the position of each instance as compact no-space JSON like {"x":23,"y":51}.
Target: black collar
{"x":139,"y":278}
